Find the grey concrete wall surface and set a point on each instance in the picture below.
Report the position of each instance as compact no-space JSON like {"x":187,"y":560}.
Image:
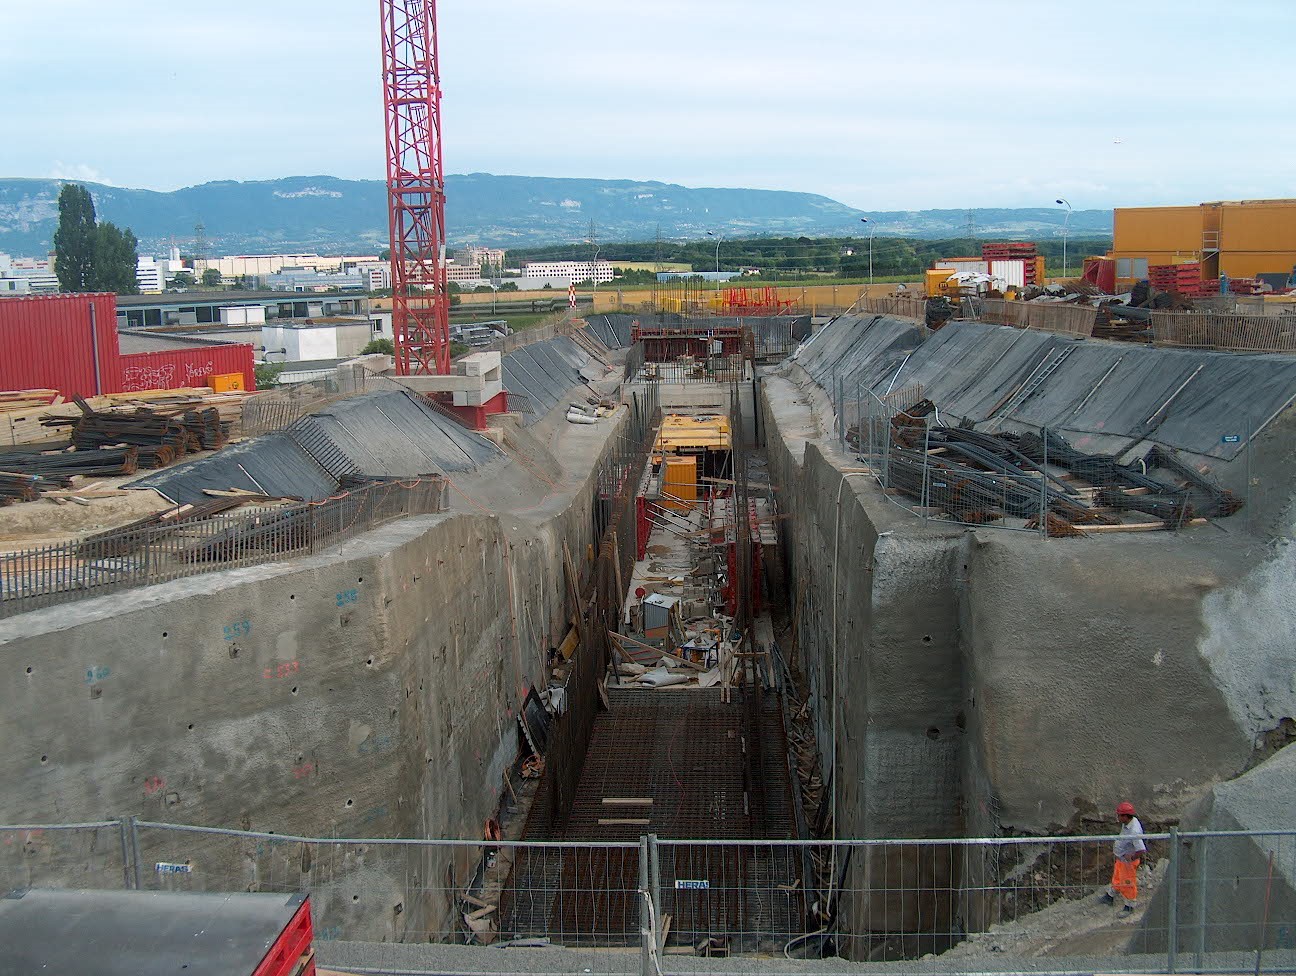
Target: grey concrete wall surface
{"x":990,"y":682}
{"x":371,"y":691}
{"x":1226,"y":888}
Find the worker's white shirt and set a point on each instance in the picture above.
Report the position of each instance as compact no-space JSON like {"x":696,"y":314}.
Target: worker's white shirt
{"x":1130,"y":840}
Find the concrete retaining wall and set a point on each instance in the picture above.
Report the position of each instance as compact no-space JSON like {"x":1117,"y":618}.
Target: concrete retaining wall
{"x":370,"y":692}
{"x":992,"y":682}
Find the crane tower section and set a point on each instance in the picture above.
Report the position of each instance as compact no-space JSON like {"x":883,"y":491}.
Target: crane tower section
{"x":415,"y":187}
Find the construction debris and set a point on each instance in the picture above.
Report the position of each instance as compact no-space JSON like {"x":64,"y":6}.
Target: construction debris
{"x":979,"y":477}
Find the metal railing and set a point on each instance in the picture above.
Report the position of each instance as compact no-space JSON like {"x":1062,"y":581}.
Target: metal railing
{"x":1234,"y":333}
{"x":904,"y":306}
{"x":43,"y":576}
{"x":279,"y":408}
{"x":1205,"y":901}
{"x":1076,"y":320}
{"x":718,"y":369}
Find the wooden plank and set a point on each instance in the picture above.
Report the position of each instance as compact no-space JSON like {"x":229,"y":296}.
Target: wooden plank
{"x":627,"y":801}
{"x":1135,"y":526}
{"x":623,"y":821}
{"x":573,"y":592}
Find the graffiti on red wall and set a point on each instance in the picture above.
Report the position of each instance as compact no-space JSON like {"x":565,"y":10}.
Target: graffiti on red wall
{"x":165,"y":376}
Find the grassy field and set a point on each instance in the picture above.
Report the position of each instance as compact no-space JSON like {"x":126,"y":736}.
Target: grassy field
{"x":517,"y":321}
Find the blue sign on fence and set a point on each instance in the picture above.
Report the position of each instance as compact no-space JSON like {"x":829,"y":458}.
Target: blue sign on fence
{"x":1231,"y":438}
{"x":696,"y":885}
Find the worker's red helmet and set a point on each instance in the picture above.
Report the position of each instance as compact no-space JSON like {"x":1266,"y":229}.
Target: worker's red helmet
{"x":1125,"y":809}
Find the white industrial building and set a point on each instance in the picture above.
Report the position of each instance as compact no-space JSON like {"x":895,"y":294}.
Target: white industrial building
{"x":570,"y":270}
{"x":27,"y":276}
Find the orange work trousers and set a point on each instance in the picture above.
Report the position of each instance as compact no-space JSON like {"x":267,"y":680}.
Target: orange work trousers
{"x":1125,"y":879}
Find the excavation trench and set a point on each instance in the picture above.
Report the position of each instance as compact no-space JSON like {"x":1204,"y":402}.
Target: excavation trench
{"x":703,"y":756}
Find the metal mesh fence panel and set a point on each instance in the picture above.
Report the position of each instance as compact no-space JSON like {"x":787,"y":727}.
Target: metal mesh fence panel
{"x":89,"y":855}
{"x":459,"y":893}
{"x":1219,"y":902}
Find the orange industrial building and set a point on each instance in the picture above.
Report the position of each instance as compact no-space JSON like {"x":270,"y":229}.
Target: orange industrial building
{"x":1237,"y":238}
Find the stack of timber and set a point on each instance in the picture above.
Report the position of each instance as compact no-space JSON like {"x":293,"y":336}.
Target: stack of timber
{"x":23,"y":413}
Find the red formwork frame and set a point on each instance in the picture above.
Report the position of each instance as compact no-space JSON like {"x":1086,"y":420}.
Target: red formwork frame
{"x":286,"y":955}
{"x":415,"y":187}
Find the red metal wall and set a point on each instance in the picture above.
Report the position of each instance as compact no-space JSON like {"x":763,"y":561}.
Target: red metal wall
{"x":45,"y":343}
{"x":185,"y":367}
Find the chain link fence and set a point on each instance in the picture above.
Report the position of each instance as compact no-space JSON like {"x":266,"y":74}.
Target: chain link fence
{"x":1219,"y":902}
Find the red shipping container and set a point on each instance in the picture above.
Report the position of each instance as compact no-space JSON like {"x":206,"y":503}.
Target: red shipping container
{"x":60,"y":342}
{"x":186,"y":367}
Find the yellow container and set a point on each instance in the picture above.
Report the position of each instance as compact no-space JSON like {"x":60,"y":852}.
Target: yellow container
{"x":679,"y":482}
{"x":935,"y":280}
{"x":1258,"y":226}
{"x":1151,"y":229}
{"x":1248,"y":264}
{"x":225,"y":382}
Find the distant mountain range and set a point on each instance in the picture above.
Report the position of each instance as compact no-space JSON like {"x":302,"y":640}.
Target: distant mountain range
{"x":321,"y":214}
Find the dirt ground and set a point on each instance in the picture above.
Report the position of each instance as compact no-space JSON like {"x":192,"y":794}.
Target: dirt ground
{"x":1073,"y":927}
{"x":44,"y":522}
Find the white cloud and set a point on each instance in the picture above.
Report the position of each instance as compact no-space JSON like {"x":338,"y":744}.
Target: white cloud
{"x":81,"y":172}
{"x":884,"y":106}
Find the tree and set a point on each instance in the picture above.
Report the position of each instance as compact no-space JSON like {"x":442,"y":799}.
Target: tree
{"x":74,"y":241}
{"x":182,"y":279}
{"x":115,"y":259}
{"x":267,"y":374}
{"x":380,"y":345}
{"x":211,"y":278}
{"x":89,"y":256}
{"x":509,"y":286}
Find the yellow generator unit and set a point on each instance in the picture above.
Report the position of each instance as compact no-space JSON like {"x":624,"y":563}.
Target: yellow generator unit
{"x":938,"y":283}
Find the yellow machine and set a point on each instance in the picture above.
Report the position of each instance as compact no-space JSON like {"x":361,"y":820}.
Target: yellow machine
{"x":938,"y":283}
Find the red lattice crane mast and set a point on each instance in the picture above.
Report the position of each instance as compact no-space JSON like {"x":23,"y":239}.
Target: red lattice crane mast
{"x":415,"y":187}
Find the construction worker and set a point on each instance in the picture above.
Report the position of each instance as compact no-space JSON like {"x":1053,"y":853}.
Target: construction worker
{"x":1129,"y":849}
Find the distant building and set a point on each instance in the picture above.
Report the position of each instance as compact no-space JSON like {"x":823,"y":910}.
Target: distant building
{"x":491,"y":257}
{"x":462,"y":273}
{"x":307,"y":280}
{"x":377,"y":275}
{"x":27,"y":276}
{"x":150,"y":279}
{"x":571,"y":270}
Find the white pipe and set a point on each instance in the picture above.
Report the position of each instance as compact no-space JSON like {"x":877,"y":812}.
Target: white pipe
{"x":580,"y":418}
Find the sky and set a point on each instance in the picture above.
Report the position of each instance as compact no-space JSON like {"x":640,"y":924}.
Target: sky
{"x":880,"y":105}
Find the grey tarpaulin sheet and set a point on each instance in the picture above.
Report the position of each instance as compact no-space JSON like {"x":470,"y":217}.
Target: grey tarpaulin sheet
{"x":390,"y":433}
{"x":546,"y":373}
{"x":865,"y":350}
{"x":273,"y":463}
{"x":396,"y":434}
{"x":1111,"y":390}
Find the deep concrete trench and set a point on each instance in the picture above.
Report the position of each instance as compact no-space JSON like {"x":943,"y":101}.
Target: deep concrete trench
{"x":974,"y":681}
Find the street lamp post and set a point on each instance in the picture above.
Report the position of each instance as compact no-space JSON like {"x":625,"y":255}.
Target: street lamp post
{"x":1066,"y":226}
{"x":865,"y":220}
